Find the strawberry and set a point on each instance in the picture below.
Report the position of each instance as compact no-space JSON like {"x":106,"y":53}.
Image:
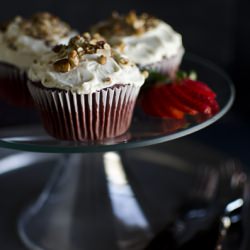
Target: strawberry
{"x":189,"y":101}
{"x":155,"y":104}
{"x":215,"y":106}
{"x":151,"y":103}
{"x":176,"y":102}
{"x":199,"y":87}
{"x":179,"y":97}
{"x":165,"y":105}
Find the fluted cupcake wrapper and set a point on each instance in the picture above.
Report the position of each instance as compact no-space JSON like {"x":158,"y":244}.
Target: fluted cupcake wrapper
{"x":13,"y":86}
{"x":168,"y":66}
{"x":70,"y":116}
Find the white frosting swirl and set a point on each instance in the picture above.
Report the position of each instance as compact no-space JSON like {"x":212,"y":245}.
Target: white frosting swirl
{"x":89,"y":76}
{"x":152,"y":46}
{"x":26,"y":48}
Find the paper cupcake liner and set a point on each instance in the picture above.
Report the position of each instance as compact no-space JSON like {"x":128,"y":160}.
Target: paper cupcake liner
{"x":69,"y":116}
{"x":166,"y":66}
{"x":13,"y":86}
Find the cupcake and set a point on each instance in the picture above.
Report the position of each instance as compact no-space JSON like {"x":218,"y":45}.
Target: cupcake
{"x":85,"y":90}
{"x":21,"y":42}
{"x":151,"y":43}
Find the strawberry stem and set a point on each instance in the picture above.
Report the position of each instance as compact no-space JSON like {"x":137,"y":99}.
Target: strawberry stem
{"x":180,"y":75}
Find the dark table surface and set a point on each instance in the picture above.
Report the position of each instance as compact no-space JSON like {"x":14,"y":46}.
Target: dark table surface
{"x":228,"y":138}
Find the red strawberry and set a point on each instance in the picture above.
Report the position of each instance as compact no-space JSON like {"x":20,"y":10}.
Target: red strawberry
{"x":215,"y":106}
{"x":199,"y":87}
{"x":194,"y":92}
{"x":165,"y":105}
{"x":147,"y":101}
{"x":184,"y":96}
{"x":189,"y":101}
{"x":156,"y":104}
{"x":176,"y":102}
{"x":200,"y":91}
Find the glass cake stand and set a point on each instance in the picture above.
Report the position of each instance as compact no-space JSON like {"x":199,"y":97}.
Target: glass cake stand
{"x":89,"y":202}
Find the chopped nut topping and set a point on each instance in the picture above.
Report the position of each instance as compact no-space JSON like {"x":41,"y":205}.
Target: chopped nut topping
{"x":131,"y":17}
{"x":72,"y":54}
{"x":106,"y":46}
{"x":145,"y":74}
{"x":107,"y":79}
{"x":79,"y":50}
{"x":97,"y":36}
{"x":73,"y":58}
{"x":123,"y":60}
{"x":62,"y":66}
{"x":69,"y":56}
{"x":93,"y":42}
{"x":77,"y":38}
{"x":130,"y":24}
{"x":59,"y":48}
{"x":102,"y":59}
{"x":139,"y":31}
{"x":122,"y":46}
{"x":74,"y":61}
{"x":76,"y":50}
{"x":76,"y":42}
{"x":45,"y":26}
{"x":86,"y":35}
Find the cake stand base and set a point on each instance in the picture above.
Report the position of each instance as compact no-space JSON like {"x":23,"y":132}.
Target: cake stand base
{"x":89,"y":204}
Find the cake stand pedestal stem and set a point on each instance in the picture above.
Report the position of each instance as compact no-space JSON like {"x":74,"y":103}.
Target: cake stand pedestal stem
{"x":87,"y":204}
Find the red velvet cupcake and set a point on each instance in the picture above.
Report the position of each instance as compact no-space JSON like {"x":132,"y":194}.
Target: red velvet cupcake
{"x":21,"y":42}
{"x":151,"y":43}
{"x":85,"y":91}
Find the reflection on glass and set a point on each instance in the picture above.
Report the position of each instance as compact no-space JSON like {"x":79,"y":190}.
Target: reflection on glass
{"x":132,"y":227}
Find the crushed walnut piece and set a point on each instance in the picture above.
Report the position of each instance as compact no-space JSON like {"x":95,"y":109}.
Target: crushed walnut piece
{"x":59,"y":48}
{"x":77,"y":48}
{"x":42,"y":25}
{"x":123,"y":60}
{"x":75,"y":52}
{"x":107,"y":79}
{"x":62,"y":66}
{"x":73,"y":58}
{"x":122,"y":46}
{"x":46,"y":26}
{"x":124,"y":25}
{"x":145,"y":74}
{"x":102,"y":59}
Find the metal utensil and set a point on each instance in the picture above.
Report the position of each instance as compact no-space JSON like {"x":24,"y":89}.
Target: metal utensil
{"x":233,"y":210}
{"x":223,"y":187}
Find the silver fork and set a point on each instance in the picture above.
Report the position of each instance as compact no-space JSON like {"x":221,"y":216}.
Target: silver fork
{"x":232,"y":171}
{"x":205,"y":183}
{"x":210,"y":185}
{"x":226,"y":187}
{"x":197,"y":213}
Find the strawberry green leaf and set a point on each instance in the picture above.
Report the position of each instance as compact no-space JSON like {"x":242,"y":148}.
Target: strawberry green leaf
{"x":155,"y":76}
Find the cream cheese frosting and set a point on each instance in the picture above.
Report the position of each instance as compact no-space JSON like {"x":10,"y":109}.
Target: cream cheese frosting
{"x":94,"y":67}
{"x":152,"y":46}
{"x":144,"y":39}
{"x":20,"y":47}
